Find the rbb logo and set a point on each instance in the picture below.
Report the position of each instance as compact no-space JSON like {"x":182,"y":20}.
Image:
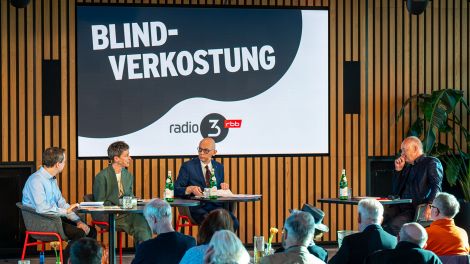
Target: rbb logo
{"x":233,"y":123}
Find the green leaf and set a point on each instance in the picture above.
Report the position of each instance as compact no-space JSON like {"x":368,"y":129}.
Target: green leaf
{"x":416,"y":128}
{"x":452,"y":170}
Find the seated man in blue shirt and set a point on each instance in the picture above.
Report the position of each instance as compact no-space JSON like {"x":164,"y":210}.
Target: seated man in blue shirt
{"x":169,"y":246}
{"x":42,"y":194}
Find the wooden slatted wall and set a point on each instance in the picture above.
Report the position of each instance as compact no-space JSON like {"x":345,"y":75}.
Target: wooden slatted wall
{"x":399,"y":55}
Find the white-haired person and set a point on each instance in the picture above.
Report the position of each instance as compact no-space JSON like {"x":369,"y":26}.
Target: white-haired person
{"x":169,"y":246}
{"x":409,"y":250}
{"x":226,"y":248}
{"x":444,"y":237}
{"x":356,"y":247}
{"x":297,"y":234}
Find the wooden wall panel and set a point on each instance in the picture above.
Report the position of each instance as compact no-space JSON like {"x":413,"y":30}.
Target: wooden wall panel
{"x":399,"y":55}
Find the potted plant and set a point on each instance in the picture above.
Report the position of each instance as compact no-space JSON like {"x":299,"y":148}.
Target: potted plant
{"x":437,"y":116}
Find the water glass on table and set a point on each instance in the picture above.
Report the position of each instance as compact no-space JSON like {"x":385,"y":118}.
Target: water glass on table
{"x":127,"y":202}
{"x":258,"y":248}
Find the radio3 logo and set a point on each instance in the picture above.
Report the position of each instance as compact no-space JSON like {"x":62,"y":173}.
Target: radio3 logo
{"x":213,"y":125}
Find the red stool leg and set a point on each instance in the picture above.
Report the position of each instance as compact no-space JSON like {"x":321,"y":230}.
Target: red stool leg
{"x":60,"y":251}
{"x":24,"y":245}
{"x":178,"y":223}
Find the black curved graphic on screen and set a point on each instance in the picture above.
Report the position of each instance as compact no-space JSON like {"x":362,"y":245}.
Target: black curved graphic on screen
{"x":108,"y":108}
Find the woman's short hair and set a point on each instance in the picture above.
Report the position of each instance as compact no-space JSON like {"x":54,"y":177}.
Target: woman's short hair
{"x":116,"y":149}
{"x":216,"y":220}
{"x":228,"y":249}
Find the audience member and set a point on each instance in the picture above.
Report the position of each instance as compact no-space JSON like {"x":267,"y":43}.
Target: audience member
{"x":298,"y":232}
{"x":194,"y":176}
{"x":356,"y":247}
{"x":169,"y":246}
{"x":216,"y":220}
{"x":409,"y":250}
{"x":444,"y":237}
{"x":416,"y":177}
{"x":86,"y":250}
{"x":320,"y":228}
{"x":113,"y":183}
{"x":42,"y":193}
{"x":226,"y":248}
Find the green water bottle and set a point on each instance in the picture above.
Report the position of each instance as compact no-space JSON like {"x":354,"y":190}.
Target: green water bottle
{"x":213,"y":186}
{"x":169,"y":188}
{"x":343,"y":186}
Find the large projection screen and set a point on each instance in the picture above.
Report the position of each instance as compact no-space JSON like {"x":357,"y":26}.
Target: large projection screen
{"x":162,"y":78}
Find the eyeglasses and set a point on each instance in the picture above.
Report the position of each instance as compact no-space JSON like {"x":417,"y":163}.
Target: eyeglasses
{"x":432,"y":206}
{"x":206,"y":151}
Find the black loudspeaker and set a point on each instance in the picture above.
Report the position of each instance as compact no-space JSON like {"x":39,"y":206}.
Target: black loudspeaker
{"x":50,"y":87}
{"x":352,"y":87}
{"x":19,"y":3}
{"x":380,"y":173}
{"x":416,"y":7}
{"x":13,"y":177}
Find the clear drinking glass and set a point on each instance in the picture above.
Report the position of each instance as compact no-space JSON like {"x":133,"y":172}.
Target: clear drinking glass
{"x":258,"y":248}
{"x":206,"y":192}
{"x":127,"y":202}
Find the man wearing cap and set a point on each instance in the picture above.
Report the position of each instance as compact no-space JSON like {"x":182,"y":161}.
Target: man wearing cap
{"x":320,"y":228}
{"x":356,"y":247}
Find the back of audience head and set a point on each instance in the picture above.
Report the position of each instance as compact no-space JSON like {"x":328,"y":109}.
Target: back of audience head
{"x":414,"y":233}
{"x":299,"y":229}
{"x":446,"y":204}
{"x":226,"y":248}
{"x":216,"y":220}
{"x":85,"y":250}
{"x":157,"y":213}
{"x":370,"y":212}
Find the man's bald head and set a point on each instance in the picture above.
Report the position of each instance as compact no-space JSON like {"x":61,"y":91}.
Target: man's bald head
{"x":208,"y":142}
{"x":414,"y":233}
{"x":411,"y":149}
{"x":206,"y":150}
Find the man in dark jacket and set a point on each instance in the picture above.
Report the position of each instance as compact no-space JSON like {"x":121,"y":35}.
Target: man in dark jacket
{"x":169,"y":246}
{"x":410,"y":250}
{"x":194,"y":176}
{"x":356,"y":247}
{"x":416,"y":177}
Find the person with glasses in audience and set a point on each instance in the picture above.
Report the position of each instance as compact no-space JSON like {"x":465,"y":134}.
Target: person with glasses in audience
{"x":194,"y":176}
{"x":444,"y":237}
